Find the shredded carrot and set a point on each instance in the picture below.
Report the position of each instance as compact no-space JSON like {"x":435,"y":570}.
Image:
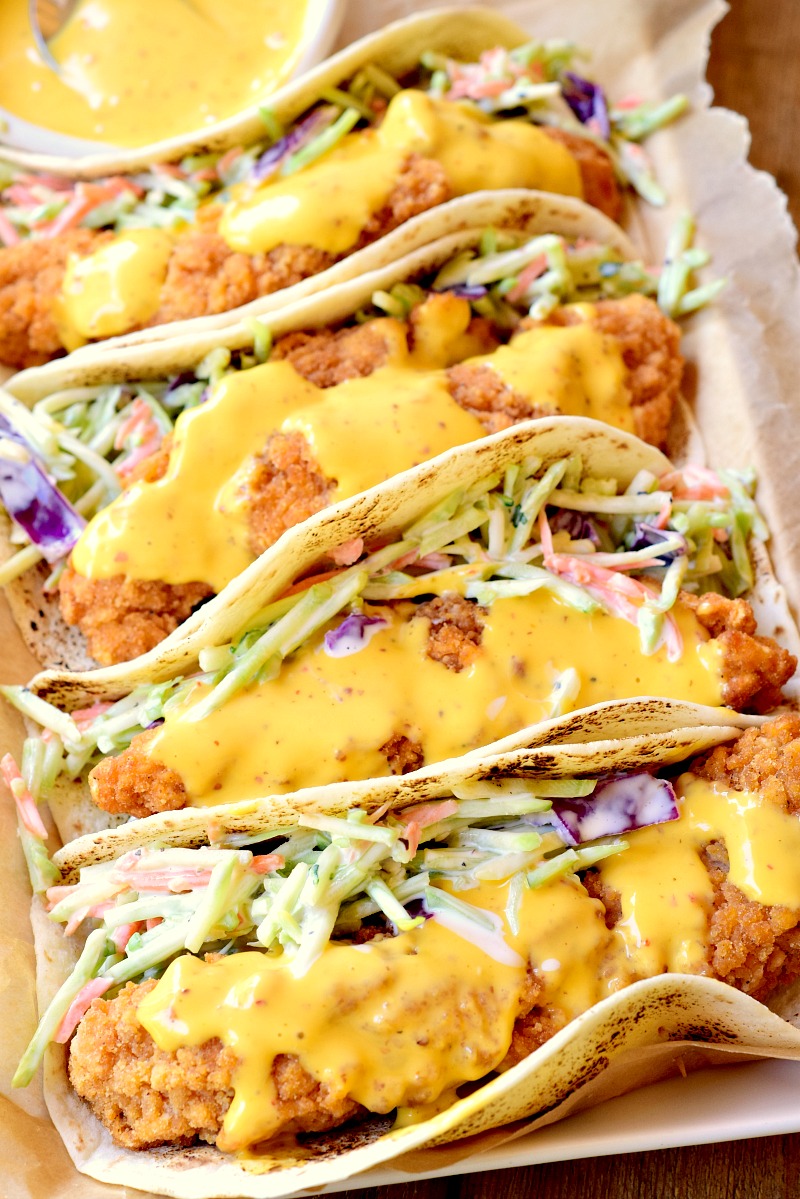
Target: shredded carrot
{"x":265,"y":863}
{"x":694,"y":483}
{"x":228,"y":159}
{"x":304,"y":584}
{"x":79,"y":1007}
{"x":123,"y":933}
{"x":532,"y":271}
{"x":136,"y":456}
{"x":26,"y":804}
{"x":349,"y":552}
{"x":87,"y":197}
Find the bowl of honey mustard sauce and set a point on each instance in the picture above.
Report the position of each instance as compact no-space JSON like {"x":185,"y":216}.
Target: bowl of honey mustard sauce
{"x":132,"y":73}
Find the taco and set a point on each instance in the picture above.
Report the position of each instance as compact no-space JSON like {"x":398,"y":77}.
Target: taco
{"x":370,"y":970}
{"x":547,"y":568}
{"x":478,"y":331}
{"x":343,"y":157}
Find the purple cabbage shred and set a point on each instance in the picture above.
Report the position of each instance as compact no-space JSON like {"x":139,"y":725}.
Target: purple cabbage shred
{"x":617,"y":805}
{"x":587,"y":100}
{"x":355,"y":631}
{"x":579,"y":527}
{"x":35,"y":503}
{"x":467,"y":291}
{"x":649,"y":535}
{"x":270,"y":161}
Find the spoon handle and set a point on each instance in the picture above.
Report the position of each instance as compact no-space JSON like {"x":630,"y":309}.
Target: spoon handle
{"x":46,"y":18}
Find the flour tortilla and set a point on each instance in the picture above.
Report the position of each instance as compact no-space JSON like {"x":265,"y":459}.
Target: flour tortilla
{"x":587,"y":743}
{"x":637,"y":1036}
{"x":422,"y":244}
{"x":378,"y":515}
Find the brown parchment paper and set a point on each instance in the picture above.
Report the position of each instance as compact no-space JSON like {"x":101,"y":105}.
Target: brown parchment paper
{"x":745,"y":403}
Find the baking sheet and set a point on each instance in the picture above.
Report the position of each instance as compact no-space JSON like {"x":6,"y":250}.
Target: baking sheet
{"x":748,"y":410}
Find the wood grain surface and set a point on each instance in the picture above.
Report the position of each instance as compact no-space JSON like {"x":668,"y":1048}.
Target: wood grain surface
{"x":755,"y":69}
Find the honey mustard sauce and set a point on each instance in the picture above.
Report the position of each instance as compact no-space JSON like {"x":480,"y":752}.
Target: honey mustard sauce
{"x":401,"y":1022}
{"x":139,"y":71}
{"x":191,"y":525}
{"x":329,"y":203}
{"x":257,"y":742}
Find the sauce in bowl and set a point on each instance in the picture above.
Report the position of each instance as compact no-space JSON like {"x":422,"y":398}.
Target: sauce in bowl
{"x":139,"y":71}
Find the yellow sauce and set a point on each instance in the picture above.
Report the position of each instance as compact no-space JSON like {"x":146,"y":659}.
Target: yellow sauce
{"x":258,"y":742}
{"x":580,"y":375}
{"x":402,"y":1021}
{"x":140,"y":71}
{"x":119,"y":285}
{"x":394,"y":1022}
{"x":191,"y":525}
{"x":328,"y":204}
{"x":665,"y":891}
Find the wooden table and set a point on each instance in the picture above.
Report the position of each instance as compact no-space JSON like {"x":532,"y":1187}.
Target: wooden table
{"x":754,"y":68}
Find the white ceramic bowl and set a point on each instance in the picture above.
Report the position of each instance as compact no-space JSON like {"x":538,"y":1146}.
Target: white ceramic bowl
{"x":322,"y":25}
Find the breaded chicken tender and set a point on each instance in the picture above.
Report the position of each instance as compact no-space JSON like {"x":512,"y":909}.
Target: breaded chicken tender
{"x":650,"y":345}
{"x":766,"y":760}
{"x":327,"y":357}
{"x":284,"y":487}
{"x":121,"y":617}
{"x":600,"y":187}
{"x":754,"y":668}
{"x":204,"y":275}
{"x":455,"y":630}
{"x":31,"y":274}
{"x":136,"y":784}
{"x":147,"y":1097}
{"x":753,"y":946}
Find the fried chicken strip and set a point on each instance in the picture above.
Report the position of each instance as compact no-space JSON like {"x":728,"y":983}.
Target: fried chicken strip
{"x":135,"y":784}
{"x":753,"y":946}
{"x":650,"y":345}
{"x":147,"y":1097}
{"x":204,"y":275}
{"x":754,"y":668}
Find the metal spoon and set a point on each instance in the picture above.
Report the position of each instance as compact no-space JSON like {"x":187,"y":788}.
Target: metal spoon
{"x":46,"y":18}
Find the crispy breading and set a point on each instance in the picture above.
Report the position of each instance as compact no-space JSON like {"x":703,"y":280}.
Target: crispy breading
{"x":456,"y":628}
{"x":753,"y":946}
{"x":204,"y":275}
{"x":122,"y":618}
{"x":146,"y":1096}
{"x":135,"y":784}
{"x":480,"y":391}
{"x":536,"y":1023}
{"x":31,"y":274}
{"x":650,"y":346}
{"x":600,"y":187}
{"x":402,"y":754}
{"x":284,"y":487}
{"x":327,"y":357}
{"x":754,"y":668}
{"x":421,"y":184}
{"x":765,"y":760}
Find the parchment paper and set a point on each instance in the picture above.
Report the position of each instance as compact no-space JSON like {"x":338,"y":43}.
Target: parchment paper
{"x":746,"y":404}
